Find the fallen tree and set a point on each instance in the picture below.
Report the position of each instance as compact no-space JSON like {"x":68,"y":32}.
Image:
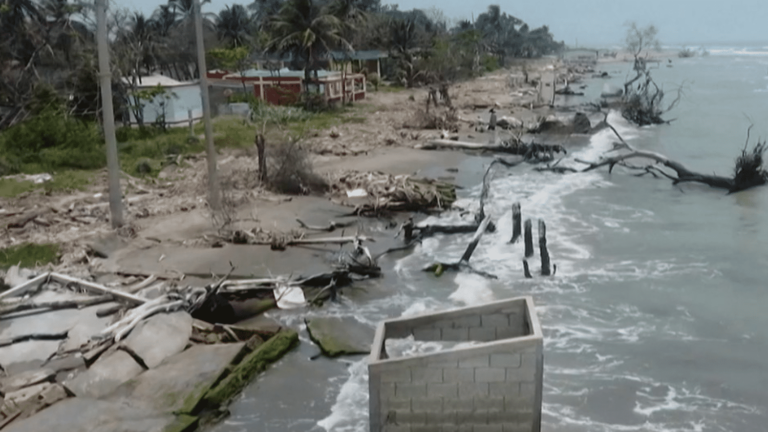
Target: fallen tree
{"x":748,"y":171}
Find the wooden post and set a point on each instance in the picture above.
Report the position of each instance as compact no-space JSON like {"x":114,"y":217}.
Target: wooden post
{"x":191,"y":124}
{"x":526,"y":270}
{"x":516,"y":222}
{"x":545,"y":268}
{"x":475,"y":240}
{"x":261,"y":147}
{"x":528,"y":238}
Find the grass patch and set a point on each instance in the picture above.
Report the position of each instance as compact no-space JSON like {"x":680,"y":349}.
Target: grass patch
{"x":11,"y":188}
{"x":29,"y":255}
{"x":390,"y":88}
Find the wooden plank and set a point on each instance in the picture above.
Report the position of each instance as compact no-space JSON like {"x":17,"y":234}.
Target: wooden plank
{"x":26,"y":286}
{"x":100,"y":289}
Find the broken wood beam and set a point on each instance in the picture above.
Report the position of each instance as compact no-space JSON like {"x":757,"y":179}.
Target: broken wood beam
{"x":100,"y":289}
{"x":475,"y":240}
{"x":528,"y":238}
{"x":26,"y":286}
{"x":545,"y":265}
{"x":516,"y":222}
{"x":65,"y":304}
{"x":332,"y":226}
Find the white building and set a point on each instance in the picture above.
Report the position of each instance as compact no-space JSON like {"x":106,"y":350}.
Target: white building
{"x":179,"y":99}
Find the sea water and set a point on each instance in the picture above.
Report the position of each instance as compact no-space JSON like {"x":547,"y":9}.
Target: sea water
{"x":656,"y":319}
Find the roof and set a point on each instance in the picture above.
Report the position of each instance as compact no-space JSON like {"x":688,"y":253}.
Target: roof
{"x":359,"y":55}
{"x":284,"y":72}
{"x":161,"y":80}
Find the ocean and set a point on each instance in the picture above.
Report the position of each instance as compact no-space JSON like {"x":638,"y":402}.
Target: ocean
{"x":656,"y":319}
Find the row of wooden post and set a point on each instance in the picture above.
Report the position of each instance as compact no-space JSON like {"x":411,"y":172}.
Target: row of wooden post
{"x":546,"y":269}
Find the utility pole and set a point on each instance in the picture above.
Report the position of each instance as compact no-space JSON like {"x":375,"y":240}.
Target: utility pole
{"x":108,"y":116}
{"x":213,"y":184}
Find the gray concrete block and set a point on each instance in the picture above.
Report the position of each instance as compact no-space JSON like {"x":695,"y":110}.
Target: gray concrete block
{"x":427,"y":375}
{"x":395,"y":405}
{"x":482,"y":334}
{"x":458,"y":405}
{"x":517,"y":427}
{"x":444,"y":390}
{"x":411,"y":418}
{"x":518,"y":404}
{"x":527,"y":389}
{"x":456,"y":334}
{"x":160,"y":337}
{"x":410,"y":391}
{"x":506,"y":389}
{"x":488,"y":428}
{"x":505,"y":360}
{"x":466,"y":321}
{"x":489,"y":403}
{"x":427,"y":334}
{"x":495,"y":320}
{"x":472,"y":390}
{"x":396,"y":376}
{"x":474,"y":362}
{"x":428,"y":404}
{"x":458,"y":375}
{"x":441,"y":418}
{"x":490,"y":375}
{"x":509,"y":332}
{"x":529,"y":360}
{"x":396,"y":428}
{"x":521,"y":374}
{"x":472,"y":418}
{"x":426,"y":428}
{"x":387,"y":390}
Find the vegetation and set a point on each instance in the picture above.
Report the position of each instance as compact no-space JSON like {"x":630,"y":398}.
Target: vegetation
{"x":28,"y":255}
{"x":50,"y":101}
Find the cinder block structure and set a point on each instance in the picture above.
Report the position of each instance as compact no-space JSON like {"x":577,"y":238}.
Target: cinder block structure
{"x":492,"y":386}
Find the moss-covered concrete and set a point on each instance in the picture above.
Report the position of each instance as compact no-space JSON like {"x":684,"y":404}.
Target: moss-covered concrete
{"x":340,"y":336}
{"x":255,"y":362}
{"x":182,"y":423}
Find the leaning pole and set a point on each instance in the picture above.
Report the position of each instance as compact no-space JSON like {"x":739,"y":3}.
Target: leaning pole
{"x":108,"y":116}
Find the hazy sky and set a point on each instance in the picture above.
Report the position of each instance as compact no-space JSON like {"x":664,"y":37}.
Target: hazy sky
{"x":600,"y":21}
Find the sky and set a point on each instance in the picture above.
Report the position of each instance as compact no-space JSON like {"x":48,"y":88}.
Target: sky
{"x":599,"y":22}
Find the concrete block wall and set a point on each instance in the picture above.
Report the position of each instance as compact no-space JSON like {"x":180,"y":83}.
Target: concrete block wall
{"x":492,"y":386}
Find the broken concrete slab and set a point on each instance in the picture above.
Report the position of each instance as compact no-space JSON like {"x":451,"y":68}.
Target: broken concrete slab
{"x":70,"y":362}
{"x":260,"y":324}
{"x":88,"y":325}
{"x":340,"y":336}
{"x":31,"y":400}
{"x":93,"y":415}
{"x":169,"y":387}
{"x":160,"y":337}
{"x":26,"y":379}
{"x":105,"y":245}
{"x":24,"y":356}
{"x":105,"y":375}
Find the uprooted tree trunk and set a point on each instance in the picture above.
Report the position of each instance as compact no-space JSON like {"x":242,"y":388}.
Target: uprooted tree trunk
{"x":643,"y":104}
{"x":748,"y":170}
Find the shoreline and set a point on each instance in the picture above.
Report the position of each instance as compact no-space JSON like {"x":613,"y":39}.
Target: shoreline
{"x":167,"y":254}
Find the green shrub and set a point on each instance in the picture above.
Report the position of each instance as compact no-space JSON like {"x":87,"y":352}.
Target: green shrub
{"x":29,"y":255}
{"x":490,"y":63}
{"x":52,"y":140}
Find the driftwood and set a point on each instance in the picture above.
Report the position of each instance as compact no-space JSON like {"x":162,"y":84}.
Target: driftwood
{"x":332,"y":226}
{"x":463,"y":263}
{"x":324,"y":240}
{"x":532,"y":151}
{"x":34,"y":336}
{"x":526,"y":270}
{"x":50,"y":306}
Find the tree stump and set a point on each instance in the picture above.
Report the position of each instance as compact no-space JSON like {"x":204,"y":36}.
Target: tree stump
{"x":545,"y":266}
{"x":528,"y":238}
{"x":516,"y":222}
{"x":261,"y":147}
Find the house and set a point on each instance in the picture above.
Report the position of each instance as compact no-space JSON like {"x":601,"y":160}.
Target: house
{"x":369,"y":60}
{"x":284,"y":86}
{"x":580,"y":56}
{"x":176,"y":103}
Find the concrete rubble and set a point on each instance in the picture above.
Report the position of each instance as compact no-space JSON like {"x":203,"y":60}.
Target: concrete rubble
{"x":78,"y":355}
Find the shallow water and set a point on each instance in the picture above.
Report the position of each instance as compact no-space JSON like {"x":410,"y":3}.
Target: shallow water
{"x":655,"y":319}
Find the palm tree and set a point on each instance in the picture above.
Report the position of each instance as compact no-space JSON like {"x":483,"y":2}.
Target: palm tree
{"x":306,"y":29}
{"x":234,"y":25}
{"x":263,"y":12}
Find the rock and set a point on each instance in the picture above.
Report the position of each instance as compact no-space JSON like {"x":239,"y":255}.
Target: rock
{"x":261,"y":324}
{"x":17,"y":276}
{"x":25,"y":403}
{"x":509,"y":123}
{"x":159,"y":337}
{"x":334,"y":133}
{"x":581,"y":124}
{"x":87,"y":325}
{"x":105,"y":375}
{"x":86,"y":414}
{"x":179,"y":384}
{"x":106,"y":245}
{"x":24,"y":356}
{"x":340,"y":336}
{"x":25,"y":379}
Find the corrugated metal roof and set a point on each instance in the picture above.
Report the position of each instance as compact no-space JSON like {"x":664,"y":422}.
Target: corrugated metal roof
{"x":359,"y":55}
{"x":155,"y":80}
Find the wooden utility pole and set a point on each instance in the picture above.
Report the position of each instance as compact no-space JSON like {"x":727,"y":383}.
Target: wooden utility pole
{"x":108,"y":116}
{"x":214,"y":201}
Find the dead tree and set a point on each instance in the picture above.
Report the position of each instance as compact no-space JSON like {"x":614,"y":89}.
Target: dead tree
{"x":528,"y":238}
{"x":516,"y":222}
{"x":261,"y":147}
{"x":463,"y":263}
{"x":748,"y":171}
{"x":545,"y":267}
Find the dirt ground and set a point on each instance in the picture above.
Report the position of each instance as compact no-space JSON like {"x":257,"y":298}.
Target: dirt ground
{"x":173,"y":208}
